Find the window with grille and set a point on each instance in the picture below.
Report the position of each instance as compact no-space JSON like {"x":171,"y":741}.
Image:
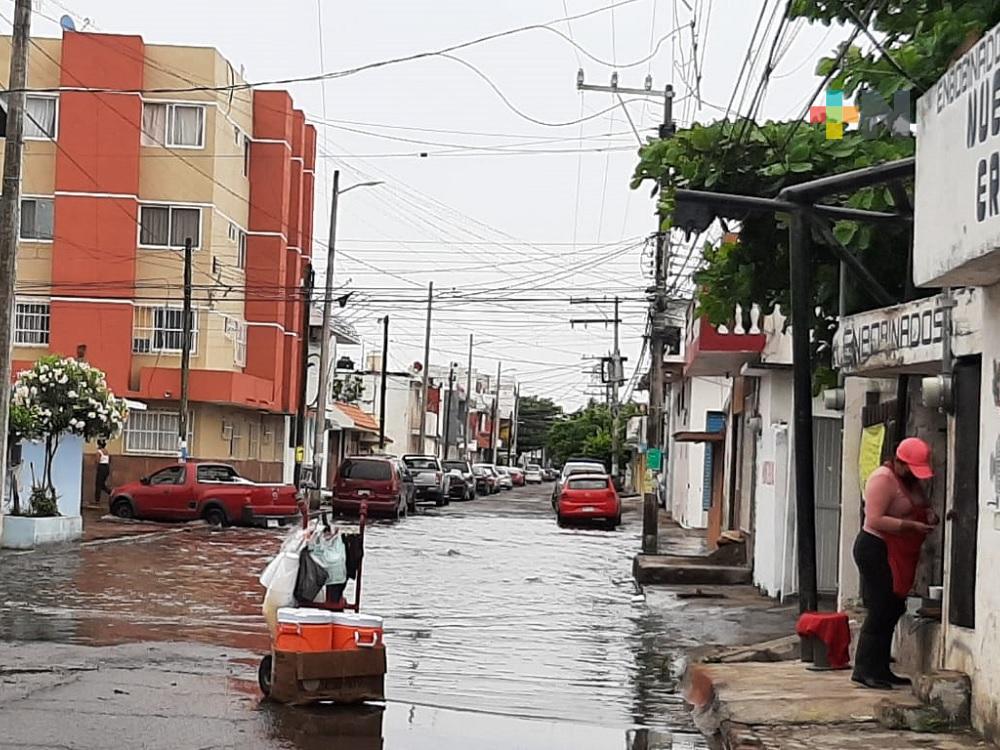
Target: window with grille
{"x":175,"y":125}
{"x":246,"y":156}
{"x":161,"y":330}
{"x":154,"y":432}
{"x":169,"y":226}
{"x":236,"y":440}
{"x":241,"y":250}
{"x":31,"y":323}
{"x":253,"y":441}
{"x":240,"y":345}
{"x":37,"y":215}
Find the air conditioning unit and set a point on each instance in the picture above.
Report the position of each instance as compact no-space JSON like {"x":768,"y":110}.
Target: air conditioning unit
{"x":141,"y":346}
{"x":227,"y":431}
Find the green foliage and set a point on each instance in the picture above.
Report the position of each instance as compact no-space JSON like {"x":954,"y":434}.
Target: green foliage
{"x":43,"y":502}
{"x":588,"y":433}
{"x":921,"y":36}
{"x":535,"y":418}
{"x":62,"y":395}
{"x":347,"y":390}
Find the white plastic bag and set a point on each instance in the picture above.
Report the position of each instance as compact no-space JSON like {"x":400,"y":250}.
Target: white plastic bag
{"x":293,"y":542}
{"x":279,"y":577}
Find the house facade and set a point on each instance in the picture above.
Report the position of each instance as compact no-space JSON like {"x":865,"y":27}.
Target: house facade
{"x":114,"y":186}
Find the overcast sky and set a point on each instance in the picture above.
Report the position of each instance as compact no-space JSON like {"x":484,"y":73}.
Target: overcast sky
{"x":478,"y":214}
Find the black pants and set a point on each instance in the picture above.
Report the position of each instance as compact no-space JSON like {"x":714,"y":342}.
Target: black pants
{"x":101,"y":482}
{"x":884,"y":607}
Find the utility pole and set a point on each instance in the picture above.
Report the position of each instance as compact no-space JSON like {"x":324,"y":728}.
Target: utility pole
{"x":10,"y":212}
{"x":512,"y":444}
{"x":308,"y":279}
{"x":427,"y":369}
{"x":319,"y":429}
{"x":496,"y":415}
{"x":615,"y":376}
{"x":319,"y":432}
{"x":468,"y":403}
{"x":382,"y":383}
{"x":186,"y":333}
{"x":447,"y":412}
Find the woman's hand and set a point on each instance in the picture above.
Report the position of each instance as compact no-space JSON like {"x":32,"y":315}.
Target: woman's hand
{"x":923,"y":528}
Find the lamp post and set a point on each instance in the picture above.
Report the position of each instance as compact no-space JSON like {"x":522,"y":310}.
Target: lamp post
{"x":324,"y":352}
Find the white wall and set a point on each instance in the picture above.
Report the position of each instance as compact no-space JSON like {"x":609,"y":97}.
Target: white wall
{"x":687,"y":460}
{"x":977,"y":652}
{"x":772,"y":491}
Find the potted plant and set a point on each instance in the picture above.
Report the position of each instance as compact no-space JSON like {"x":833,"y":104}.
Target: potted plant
{"x":57,"y":400}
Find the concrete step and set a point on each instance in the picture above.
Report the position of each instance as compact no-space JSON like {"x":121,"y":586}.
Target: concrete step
{"x":949,"y":692}
{"x":673,"y":570}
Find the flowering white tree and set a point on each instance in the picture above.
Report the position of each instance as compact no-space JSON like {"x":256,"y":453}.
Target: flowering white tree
{"x":62,"y":395}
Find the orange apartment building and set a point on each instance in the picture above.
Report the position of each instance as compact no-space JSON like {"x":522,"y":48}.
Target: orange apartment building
{"x":120,"y":169}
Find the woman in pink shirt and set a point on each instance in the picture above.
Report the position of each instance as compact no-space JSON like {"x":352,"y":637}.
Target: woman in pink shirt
{"x":897,"y":519}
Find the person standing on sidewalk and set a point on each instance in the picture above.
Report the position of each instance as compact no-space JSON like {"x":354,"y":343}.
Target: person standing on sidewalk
{"x":897,"y":520}
{"x":103,"y":472}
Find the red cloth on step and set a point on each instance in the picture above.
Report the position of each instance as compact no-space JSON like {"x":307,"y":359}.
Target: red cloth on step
{"x":833,"y":629}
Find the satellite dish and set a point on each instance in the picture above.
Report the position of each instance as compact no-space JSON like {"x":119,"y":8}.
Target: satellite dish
{"x":67,"y":23}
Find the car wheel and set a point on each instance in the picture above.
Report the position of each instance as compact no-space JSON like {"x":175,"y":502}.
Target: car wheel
{"x":440,"y":502}
{"x":215,"y":516}
{"x":411,"y":505}
{"x":122,"y":508}
{"x":560,"y":521}
{"x":264,"y":675}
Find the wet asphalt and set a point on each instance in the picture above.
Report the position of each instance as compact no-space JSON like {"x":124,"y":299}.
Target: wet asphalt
{"x":503,"y":631}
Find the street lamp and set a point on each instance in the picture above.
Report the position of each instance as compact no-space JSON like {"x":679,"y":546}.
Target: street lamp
{"x":324,"y":351}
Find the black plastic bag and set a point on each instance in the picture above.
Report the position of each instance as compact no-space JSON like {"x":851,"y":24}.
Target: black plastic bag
{"x":311,"y":579}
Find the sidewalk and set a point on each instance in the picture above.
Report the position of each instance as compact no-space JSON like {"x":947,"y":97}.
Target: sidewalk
{"x":684,"y":558}
{"x":784,"y":705}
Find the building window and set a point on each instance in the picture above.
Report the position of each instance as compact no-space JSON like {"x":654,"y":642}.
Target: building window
{"x":169,"y":226}
{"x":31,"y":323}
{"x":235,"y":440}
{"x":253,"y":441}
{"x":161,"y":330}
{"x":240,"y":346}
{"x":237,"y":135}
{"x":154,"y":432}
{"x":246,"y":156}
{"x":37,"y":218}
{"x":40,"y":117}
{"x":241,"y":250}
{"x":232,"y":232}
{"x":177,"y":125}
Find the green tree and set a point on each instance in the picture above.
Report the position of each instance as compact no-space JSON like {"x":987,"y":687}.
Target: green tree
{"x":535,"y":417}
{"x":918,"y":39}
{"x":587,"y":432}
{"x":60,"y":396}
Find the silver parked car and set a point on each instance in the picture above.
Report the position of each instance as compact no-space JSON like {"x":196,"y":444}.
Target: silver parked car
{"x":430,"y":480}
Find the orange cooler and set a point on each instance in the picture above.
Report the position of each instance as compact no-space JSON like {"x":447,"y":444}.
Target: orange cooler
{"x":353,"y":631}
{"x":303,"y":630}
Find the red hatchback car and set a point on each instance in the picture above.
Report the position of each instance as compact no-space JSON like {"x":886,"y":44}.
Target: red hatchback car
{"x":589,"y":497}
{"x":377,"y":479}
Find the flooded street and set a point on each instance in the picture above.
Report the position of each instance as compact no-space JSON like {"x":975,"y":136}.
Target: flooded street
{"x":502,"y":630}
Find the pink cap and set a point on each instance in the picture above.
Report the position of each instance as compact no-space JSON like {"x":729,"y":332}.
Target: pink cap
{"x":916,"y":454}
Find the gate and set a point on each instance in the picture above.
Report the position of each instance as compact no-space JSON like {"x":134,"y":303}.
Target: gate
{"x":827,"y":453}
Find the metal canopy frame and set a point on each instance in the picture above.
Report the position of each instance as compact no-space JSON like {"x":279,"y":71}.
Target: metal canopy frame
{"x":800,"y":203}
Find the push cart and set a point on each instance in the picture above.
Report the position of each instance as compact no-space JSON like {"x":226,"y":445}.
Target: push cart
{"x":348,"y":673}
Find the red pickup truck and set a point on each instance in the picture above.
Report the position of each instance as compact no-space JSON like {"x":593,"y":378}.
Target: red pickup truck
{"x":215,"y":492}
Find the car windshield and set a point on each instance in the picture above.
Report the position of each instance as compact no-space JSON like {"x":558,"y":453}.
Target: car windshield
{"x":534,"y":467}
{"x":584,"y":469}
{"x":460,"y":465}
{"x":373,"y":471}
{"x":418,"y":462}
{"x":479,"y":471}
{"x":590,"y":483}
